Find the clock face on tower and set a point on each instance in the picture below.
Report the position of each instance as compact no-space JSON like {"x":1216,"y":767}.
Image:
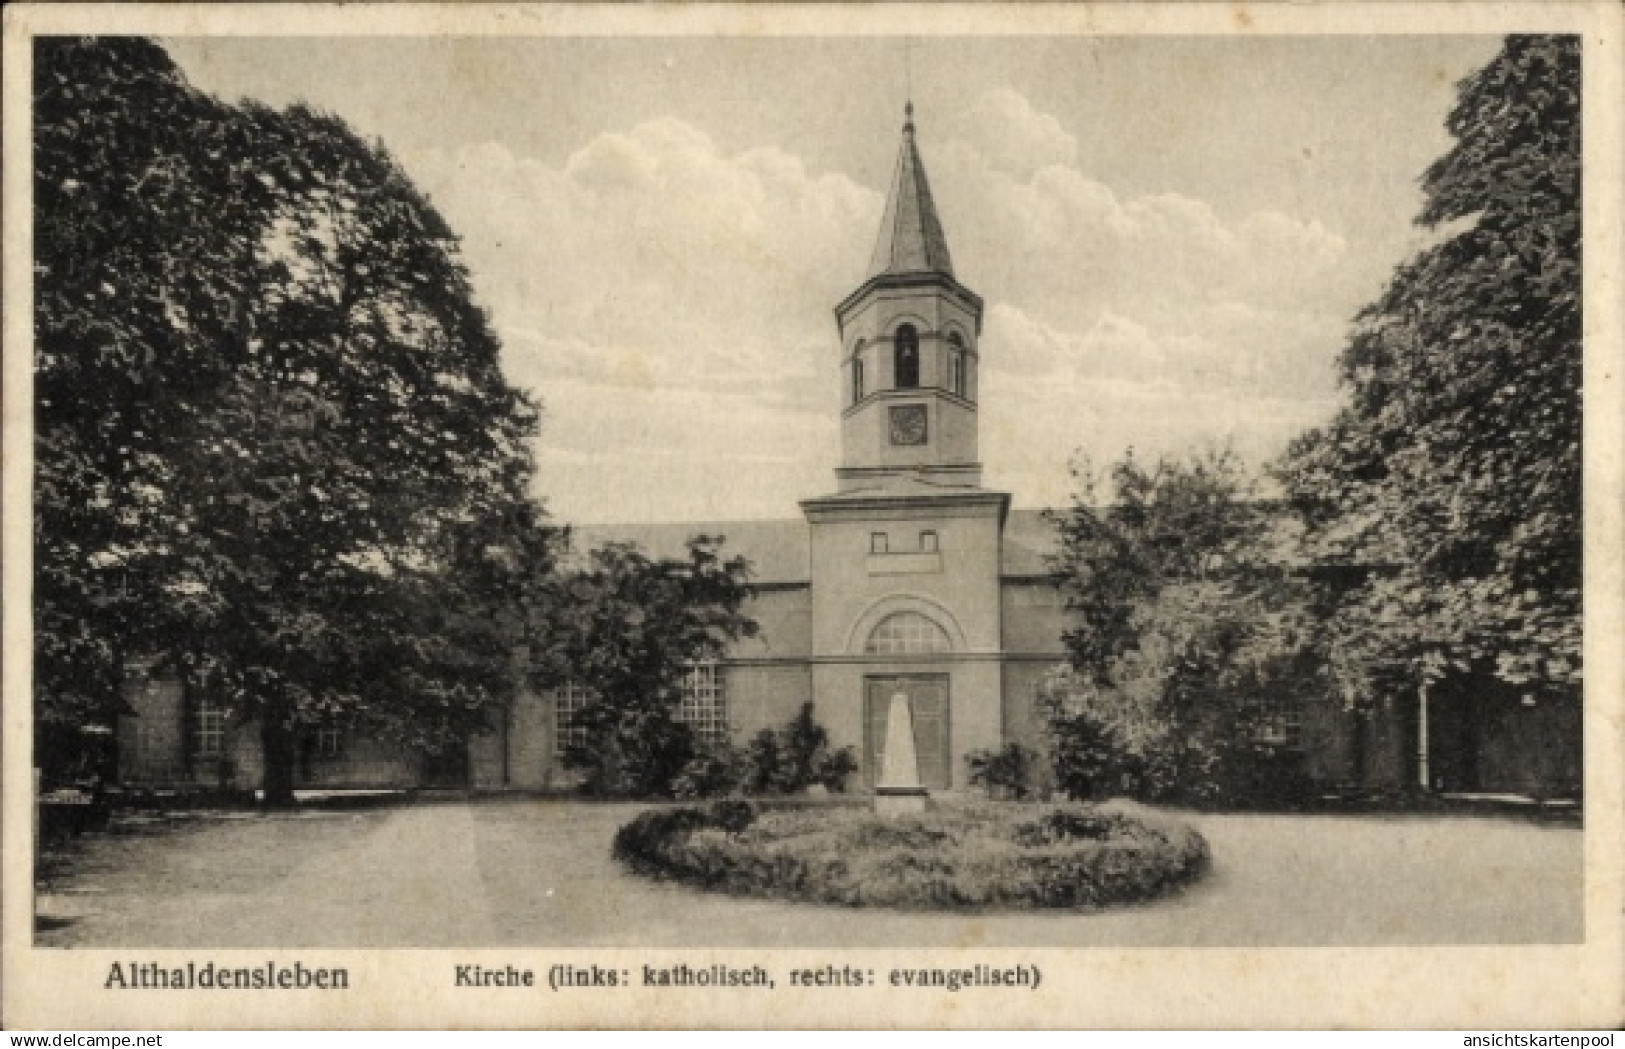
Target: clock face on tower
{"x":908,"y":424}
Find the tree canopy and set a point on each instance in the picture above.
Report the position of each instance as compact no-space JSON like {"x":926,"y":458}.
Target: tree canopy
{"x":625,"y":627}
{"x":275,"y":451}
{"x":1191,"y":620}
{"x":1452,"y":478}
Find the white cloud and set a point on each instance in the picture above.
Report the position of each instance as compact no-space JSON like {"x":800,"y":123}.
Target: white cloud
{"x":1016,"y":137}
{"x":617,"y":454}
{"x":617,"y":247}
{"x":1102,"y":418}
{"x":1237,"y":376}
{"x":1154,"y":321}
{"x":670,"y":303}
{"x":666,"y":300}
{"x":1023,"y":348}
{"x":1059,"y":238}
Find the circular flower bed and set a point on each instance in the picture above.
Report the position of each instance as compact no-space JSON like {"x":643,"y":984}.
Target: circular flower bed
{"x":976,"y":856}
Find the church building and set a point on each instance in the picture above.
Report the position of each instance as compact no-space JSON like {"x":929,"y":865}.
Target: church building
{"x":908,"y":576}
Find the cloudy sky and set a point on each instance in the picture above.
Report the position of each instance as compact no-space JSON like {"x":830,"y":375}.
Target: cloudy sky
{"x":1171,"y":234}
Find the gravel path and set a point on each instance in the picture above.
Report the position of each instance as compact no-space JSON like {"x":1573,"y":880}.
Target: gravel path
{"x":531,"y":873}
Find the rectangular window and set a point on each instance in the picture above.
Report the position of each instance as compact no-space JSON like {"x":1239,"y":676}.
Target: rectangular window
{"x":1277,"y":721}
{"x":878,"y":542}
{"x":928,"y":542}
{"x":568,"y":702}
{"x":329,"y":742}
{"x":704,"y":706}
{"x":210,"y":741}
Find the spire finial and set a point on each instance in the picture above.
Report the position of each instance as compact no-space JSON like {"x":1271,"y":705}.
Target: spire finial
{"x":911,"y":239}
{"x":908,"y":83}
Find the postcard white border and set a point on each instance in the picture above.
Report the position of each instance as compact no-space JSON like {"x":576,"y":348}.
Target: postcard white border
{"x":1390,"y":986}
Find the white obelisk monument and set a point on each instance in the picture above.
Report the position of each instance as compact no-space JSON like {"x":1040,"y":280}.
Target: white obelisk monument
{"x":899,"y":791}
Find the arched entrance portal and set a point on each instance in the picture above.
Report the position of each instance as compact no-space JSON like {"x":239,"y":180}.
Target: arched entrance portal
{"x":908,"y":634}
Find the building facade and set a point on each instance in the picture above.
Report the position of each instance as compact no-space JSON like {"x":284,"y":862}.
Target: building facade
{"x":909,"y":575}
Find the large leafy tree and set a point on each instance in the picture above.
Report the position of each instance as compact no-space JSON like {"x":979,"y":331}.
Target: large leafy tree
{"x":276,"y":453}
{"x":134,"y":248}
{"x":1193,"y":629}
{"x":1452,"y":479}
{"x":625,"y":627}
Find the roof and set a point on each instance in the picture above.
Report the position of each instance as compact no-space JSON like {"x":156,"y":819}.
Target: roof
{"x":778,"y":549}
{"x":891,"y":484}
{"x":911,"y":238}
{"x":1029,"y":540}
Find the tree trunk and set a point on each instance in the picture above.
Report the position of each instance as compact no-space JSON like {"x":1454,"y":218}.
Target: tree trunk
{"x":277,"y":745}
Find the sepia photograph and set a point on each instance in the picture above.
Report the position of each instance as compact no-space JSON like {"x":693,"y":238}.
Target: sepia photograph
{"x":542,"y":492}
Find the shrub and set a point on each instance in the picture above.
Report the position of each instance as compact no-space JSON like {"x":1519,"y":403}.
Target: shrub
{"x":790,"y":759}
{"x":1089,"y":756}
{"x":835,"y":769}
{"x":1268,"y":776}
{"x":785,"y":760}
{"x":642,"y":839}
{"x":1063,"y":826}
{"x":1012,"y":772}
{"x":766,"y":772}
{"x":732,"y":814}
{"x":715,"y":771}
{"x":1181,"y":743}
{"x":637,"y":754}
{"x":979,"y":857}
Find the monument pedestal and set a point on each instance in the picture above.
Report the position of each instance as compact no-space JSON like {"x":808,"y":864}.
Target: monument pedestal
{"x":899,"y":801}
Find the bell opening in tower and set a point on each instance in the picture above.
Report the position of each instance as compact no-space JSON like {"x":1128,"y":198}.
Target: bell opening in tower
{"x":908,"y":358}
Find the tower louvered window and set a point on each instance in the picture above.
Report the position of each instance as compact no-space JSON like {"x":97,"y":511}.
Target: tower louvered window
{"x":907,"y":357}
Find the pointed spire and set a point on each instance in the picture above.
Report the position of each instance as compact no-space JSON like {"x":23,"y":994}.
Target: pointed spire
{"x":911,"y":239}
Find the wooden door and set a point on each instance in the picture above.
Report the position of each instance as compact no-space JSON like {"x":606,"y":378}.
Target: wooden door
{"x":928,"y":708}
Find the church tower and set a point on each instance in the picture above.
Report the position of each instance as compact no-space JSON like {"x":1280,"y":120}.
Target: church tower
{"x":905,"y":555}
{"x":909,"y":350}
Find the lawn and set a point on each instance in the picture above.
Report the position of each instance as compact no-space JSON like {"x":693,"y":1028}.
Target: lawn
{"x":538,"y":873}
